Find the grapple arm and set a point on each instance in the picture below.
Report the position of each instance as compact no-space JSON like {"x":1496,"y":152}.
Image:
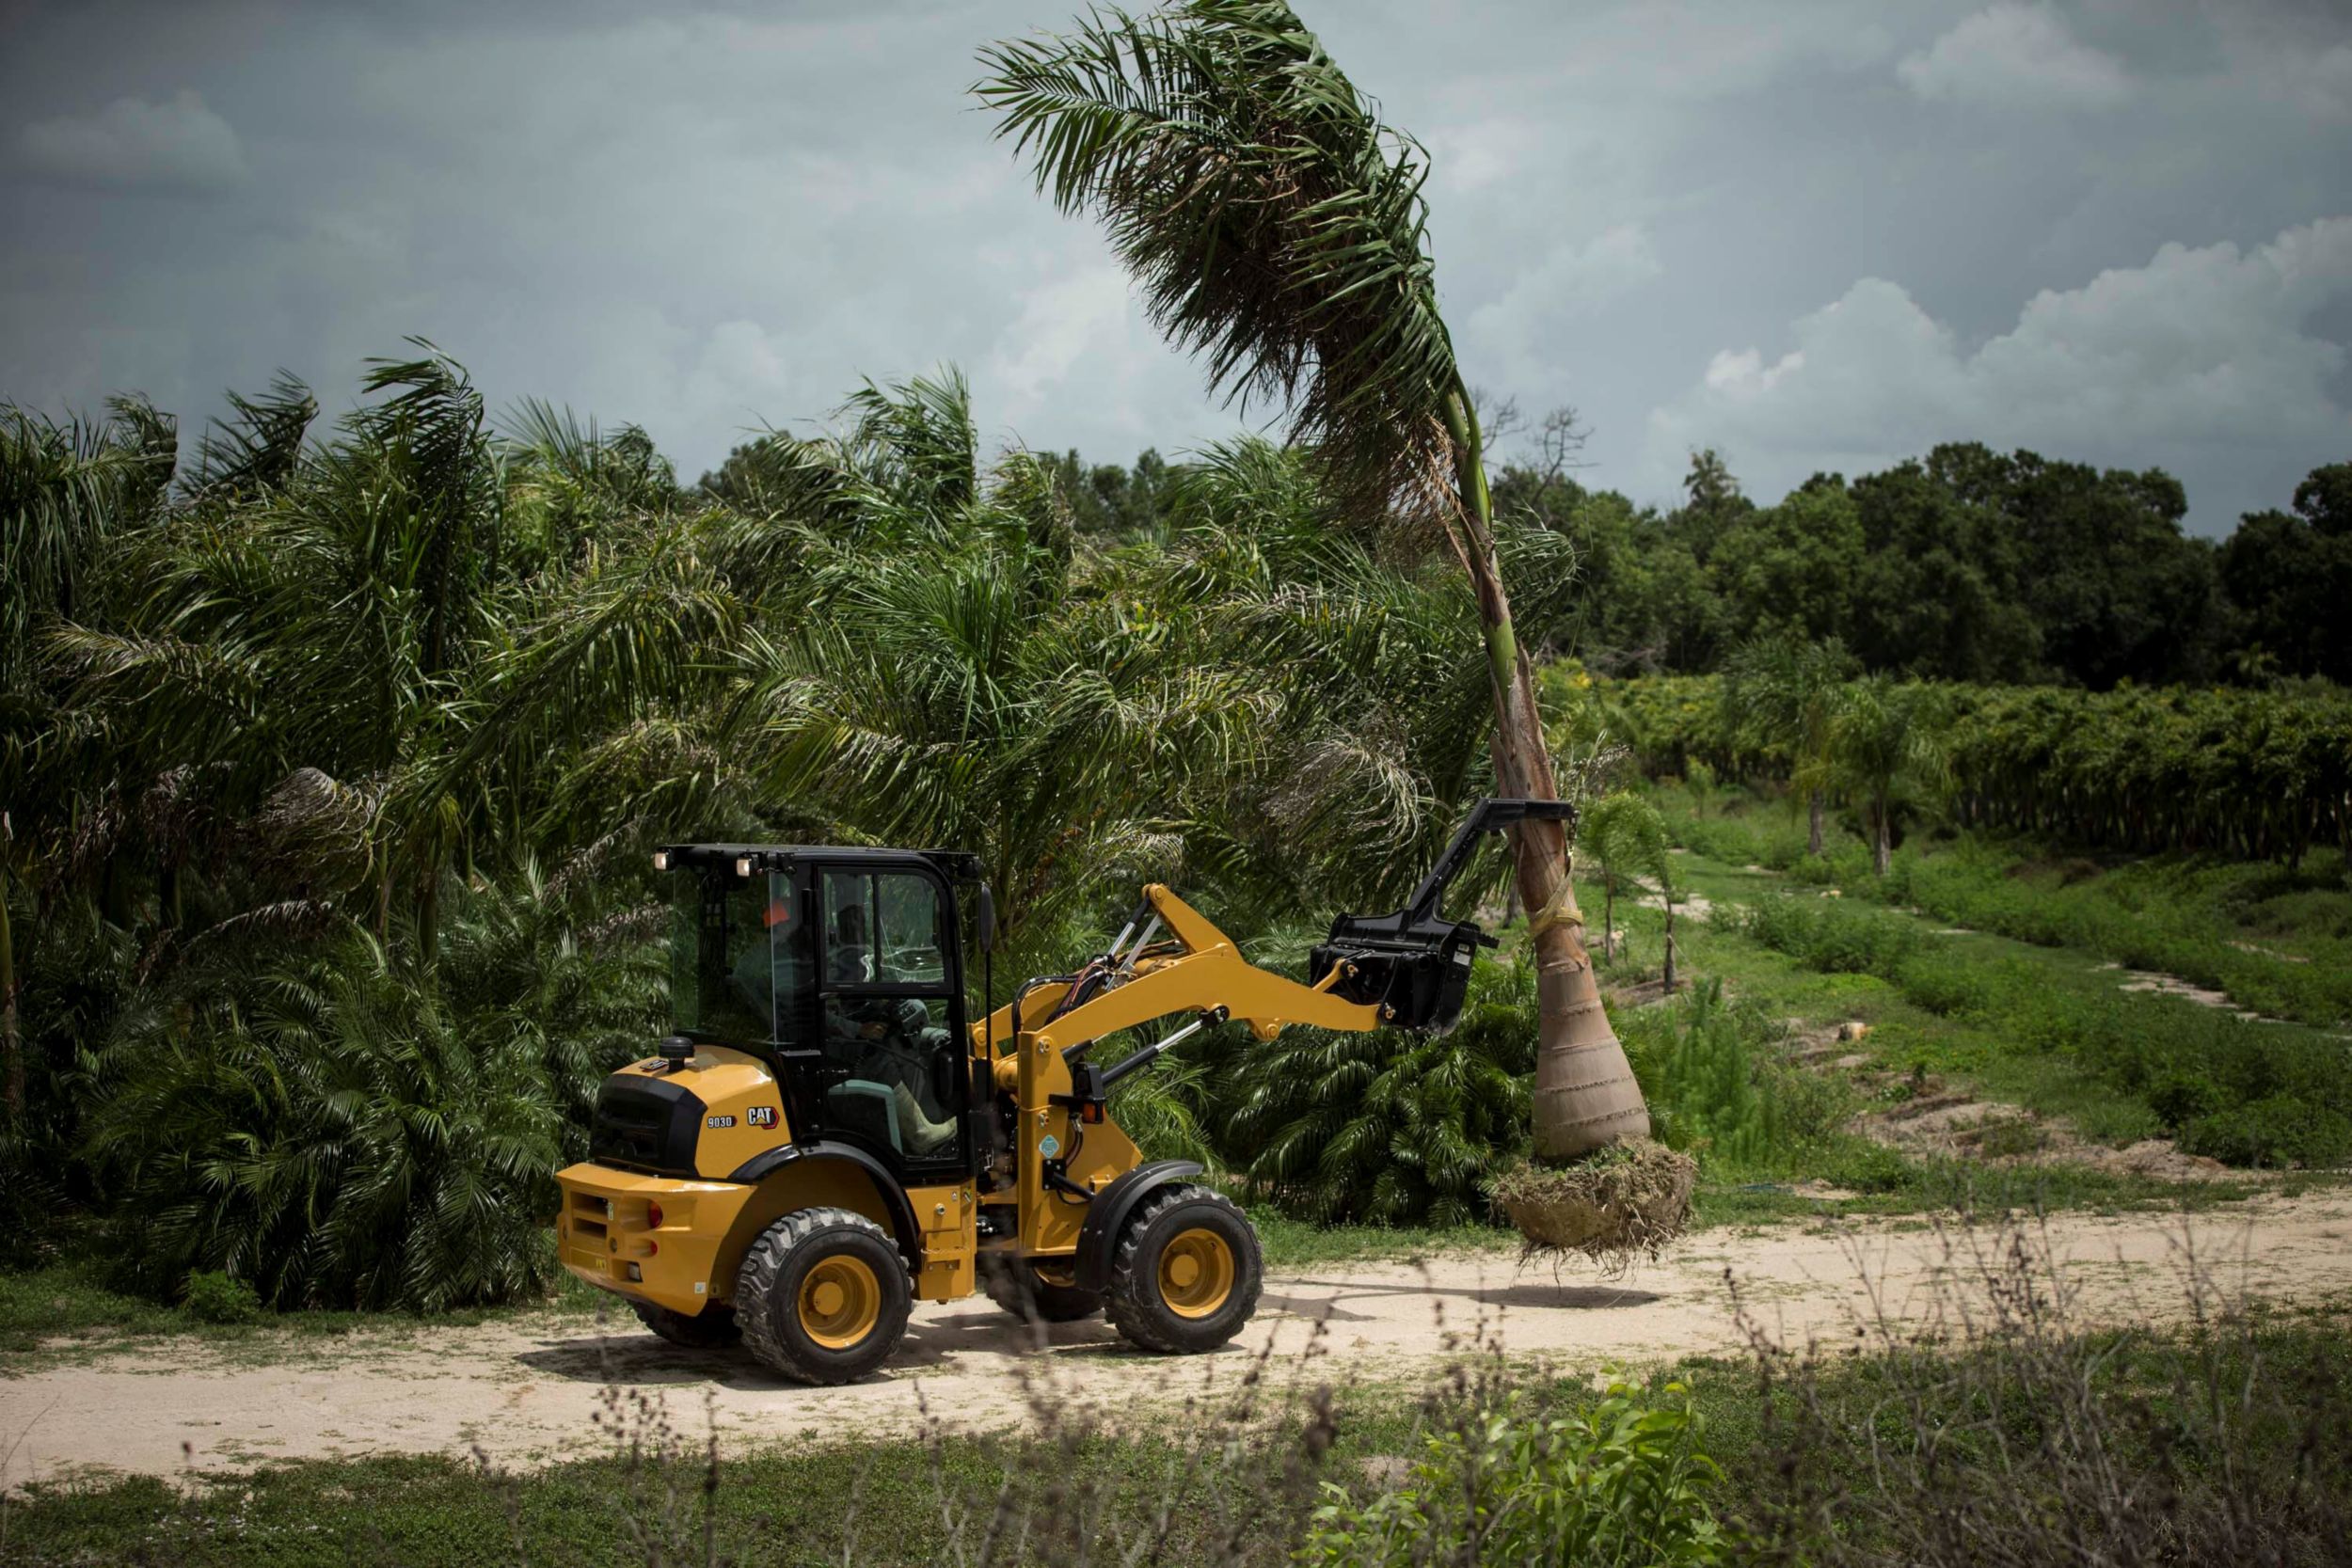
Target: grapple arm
{"x":1414,"y":964}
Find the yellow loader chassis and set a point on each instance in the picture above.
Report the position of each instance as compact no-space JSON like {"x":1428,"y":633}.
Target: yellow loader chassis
{"x":605,"y":1235}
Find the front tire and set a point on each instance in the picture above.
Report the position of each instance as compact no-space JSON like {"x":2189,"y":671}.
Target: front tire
{"x":713,"y":1328}
{"x":1187,"y":1272}
{"x":823,"y":1296}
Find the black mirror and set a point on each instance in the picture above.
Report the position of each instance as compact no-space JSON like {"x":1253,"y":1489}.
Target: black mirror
{"x":984,"y":920}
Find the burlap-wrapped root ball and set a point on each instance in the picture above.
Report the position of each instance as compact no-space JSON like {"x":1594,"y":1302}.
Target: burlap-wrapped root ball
{"x":1626,"y":1201}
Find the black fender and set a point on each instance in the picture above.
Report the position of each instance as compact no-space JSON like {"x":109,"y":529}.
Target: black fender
{"x":904,"y":1229}
{"x":1107,"y":1216}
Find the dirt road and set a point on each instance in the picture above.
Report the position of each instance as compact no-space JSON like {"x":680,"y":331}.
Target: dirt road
{"x":527,"y":1393}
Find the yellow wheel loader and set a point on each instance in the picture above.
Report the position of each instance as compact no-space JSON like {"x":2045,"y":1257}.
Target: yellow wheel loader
{"x":824,"y":1137}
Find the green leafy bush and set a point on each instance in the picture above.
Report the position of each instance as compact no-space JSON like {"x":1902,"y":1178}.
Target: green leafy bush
{"x":1833,"y":936}
{"x":1395,"y":1129}
{"x":1713,"y":1089}
{"x":1625,"y":1482}
{"x":214,"y":1296}
{"x":2279,"y":1130}
{"x":338,"y":1132}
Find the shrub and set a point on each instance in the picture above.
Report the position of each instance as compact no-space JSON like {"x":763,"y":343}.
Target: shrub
{"x":1395,"y":1129}
{"x":215,"y":1296}
{"x":2279,"y":1130}
{"x":1625,"y":1482}
{"x":338,"y":1130}
{"x":1714,"y":1090}
{"x":2179,"y":1098}
{"x":1833,"y":938}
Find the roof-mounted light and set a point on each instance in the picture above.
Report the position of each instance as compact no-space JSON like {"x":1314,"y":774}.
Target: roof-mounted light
{"x":662,"y":860}
{"x":742,"y":866}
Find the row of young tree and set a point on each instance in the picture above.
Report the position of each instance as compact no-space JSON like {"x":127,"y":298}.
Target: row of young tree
{"x":1966,"y":564}
{"x":2263,"y":773}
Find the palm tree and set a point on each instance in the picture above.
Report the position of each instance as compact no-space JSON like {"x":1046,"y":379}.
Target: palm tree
{"x":1624,"y":833}
{"x":939,"y":678}
{"x":1277,"y":228}
{"x":1882,"y":748}
{"x":67,"y":490}
{"x":1353,"y":1127}
{"x":1782,"y":693}
{"x":1378,"y":747}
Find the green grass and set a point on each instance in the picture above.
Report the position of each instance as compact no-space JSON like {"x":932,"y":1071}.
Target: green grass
{"x":68,"y":1311}
{"x":1294,"y":1243}
{"x":2278,"y":939}
{"x":2044,"y":1026}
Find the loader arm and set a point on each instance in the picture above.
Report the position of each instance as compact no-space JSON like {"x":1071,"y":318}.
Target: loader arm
{"x":1406,"y":970}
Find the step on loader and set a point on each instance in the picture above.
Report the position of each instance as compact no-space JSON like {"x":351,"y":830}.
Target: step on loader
{"x":824,"y":1137}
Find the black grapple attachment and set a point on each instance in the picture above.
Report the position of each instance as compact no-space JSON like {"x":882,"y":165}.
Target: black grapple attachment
{"x":1416,"y":963}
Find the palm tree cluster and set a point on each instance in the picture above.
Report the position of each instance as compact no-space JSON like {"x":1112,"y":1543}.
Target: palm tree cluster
{"x":2255,"y":774}
{"x":293,"y":728}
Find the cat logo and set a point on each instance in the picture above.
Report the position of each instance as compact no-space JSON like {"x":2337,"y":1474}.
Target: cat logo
{"x":722,"y":1121}
{"x":762,"y":1115}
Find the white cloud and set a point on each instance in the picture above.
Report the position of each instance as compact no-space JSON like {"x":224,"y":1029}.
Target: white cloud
{"x":2015,"y":56}
{"x":2202,"y":351}
{"x":1079,"y":337}
{"x":177,"y":144}
{"x":1525,"y":329}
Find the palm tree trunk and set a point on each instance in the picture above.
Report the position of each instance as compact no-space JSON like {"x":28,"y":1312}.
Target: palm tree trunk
{"x":1881,"y":835}
{"x":1815,"y":809}
{"x":1585,"y":1094}
{"x":1670,"y":944}
{"x":11,"y":1042}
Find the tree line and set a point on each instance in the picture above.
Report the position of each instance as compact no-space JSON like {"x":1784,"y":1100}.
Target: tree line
{"x":1965,"y":564}
{"x":2247,"y":773}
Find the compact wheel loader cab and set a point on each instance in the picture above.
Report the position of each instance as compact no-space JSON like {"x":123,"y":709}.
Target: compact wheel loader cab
{"x":824,"y":1138}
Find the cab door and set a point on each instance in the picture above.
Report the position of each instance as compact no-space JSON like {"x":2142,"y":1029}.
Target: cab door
{"x":894,"y":1072}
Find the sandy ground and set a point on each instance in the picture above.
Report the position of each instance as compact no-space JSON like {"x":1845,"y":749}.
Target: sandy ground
{"x":533,"y":1392}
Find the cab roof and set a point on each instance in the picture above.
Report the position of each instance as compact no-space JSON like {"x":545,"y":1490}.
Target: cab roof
{"x":955,"y":864}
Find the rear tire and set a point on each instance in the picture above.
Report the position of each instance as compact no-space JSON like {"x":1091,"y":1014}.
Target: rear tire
{"x":1186,"y":1274}
{"x":823,"y":1296}
{"x":713,"y":1328}
{"x":1019,"y":1289}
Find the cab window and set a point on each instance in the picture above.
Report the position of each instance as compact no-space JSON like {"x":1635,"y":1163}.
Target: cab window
{"x":891,"y":1041}
{"x":729,"y":979}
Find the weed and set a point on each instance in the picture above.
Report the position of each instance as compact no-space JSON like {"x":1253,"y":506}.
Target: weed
{"x":214,"y":1296}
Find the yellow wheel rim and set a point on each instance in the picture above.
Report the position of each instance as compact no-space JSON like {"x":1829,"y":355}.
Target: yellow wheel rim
{"x":840,"y":1302}
{"x":1196,"y":1272}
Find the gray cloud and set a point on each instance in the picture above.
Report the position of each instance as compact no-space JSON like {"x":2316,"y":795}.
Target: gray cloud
{"x":177,"y":145}
{"x":2015,"y":56}
{"x":709,"y":219}
{"x":2197,"y":349}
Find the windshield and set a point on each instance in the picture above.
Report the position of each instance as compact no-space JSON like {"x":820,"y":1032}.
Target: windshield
{"x":726,"y":936}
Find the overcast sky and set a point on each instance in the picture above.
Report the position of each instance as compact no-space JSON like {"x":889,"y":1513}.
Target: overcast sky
{"x":1814,"y":233}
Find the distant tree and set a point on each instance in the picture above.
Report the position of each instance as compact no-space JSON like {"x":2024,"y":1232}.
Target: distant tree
{"x":1783,"y":694}
{"x":1789,"y":569}
{"x":2289,"y":576}
{"x":1623,"y":835}
{"x":1882,"y":752}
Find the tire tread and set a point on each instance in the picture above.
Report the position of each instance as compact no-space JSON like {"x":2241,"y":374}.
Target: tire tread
{"x":755,"y":1284}
{"x":1137,"y":1315}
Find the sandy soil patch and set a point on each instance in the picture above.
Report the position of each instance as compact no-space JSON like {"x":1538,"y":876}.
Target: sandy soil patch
{"x":531,"y":1394}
